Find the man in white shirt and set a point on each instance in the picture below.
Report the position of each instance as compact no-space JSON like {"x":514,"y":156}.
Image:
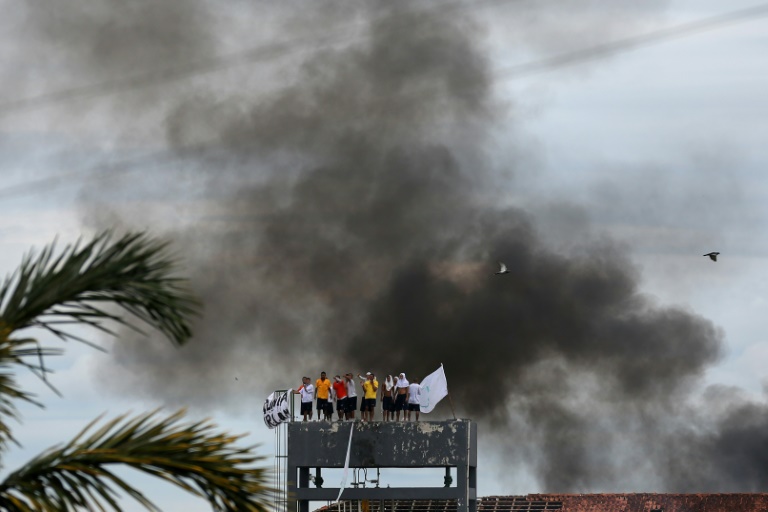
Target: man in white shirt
{"x":351,"y":396}
{"x":414,"y":400}
{"x":307,"y":392}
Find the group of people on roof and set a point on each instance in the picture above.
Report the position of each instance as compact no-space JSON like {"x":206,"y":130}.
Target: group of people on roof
{"x":397,"y":395}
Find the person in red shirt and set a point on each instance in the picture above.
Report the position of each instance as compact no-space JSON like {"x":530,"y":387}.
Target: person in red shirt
{"x":340,"y":389}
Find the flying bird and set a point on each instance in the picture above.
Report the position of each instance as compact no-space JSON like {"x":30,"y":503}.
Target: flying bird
{"x":502,"y":269}
{"x":712,"y":255}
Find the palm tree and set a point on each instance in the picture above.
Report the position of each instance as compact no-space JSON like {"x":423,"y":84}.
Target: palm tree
{"x":95,"y":284}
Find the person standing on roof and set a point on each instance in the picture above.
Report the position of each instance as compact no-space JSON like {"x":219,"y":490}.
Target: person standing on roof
{"x":370,"y":386}
{"x":387,"y":402}
{"x":401,"y":399}
{"x":340,"y":390}
{"x":414,"y":400}
{"x":351,"y":404}
{"x":307,"y":391}
{"x":322,"y":387}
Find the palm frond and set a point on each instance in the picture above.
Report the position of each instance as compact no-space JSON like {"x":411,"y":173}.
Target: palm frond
{"x":18,"y":352}
{"x":192,"y":456}
{"x":133,"y":272}
{"x":76,"y":287}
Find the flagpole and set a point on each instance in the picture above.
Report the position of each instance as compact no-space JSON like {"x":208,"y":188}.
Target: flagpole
{"x":450,"y":400}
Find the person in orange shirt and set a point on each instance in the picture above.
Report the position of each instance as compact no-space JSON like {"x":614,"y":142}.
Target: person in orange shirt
{"x":340,"y":388}
{"x":322,"y":387}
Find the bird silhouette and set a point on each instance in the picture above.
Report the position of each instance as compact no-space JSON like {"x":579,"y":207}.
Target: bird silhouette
{"x":502,"y":269}
{"x":712,"y":255}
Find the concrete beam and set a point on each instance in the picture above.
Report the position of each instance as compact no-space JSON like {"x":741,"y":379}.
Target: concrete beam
{"x":384,"y":493}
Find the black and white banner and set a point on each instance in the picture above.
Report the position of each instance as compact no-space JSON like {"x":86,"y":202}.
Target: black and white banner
{"x":276,"y":409}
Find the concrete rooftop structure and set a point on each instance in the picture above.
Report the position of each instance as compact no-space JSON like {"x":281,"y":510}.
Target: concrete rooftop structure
{"x":425,"y":444}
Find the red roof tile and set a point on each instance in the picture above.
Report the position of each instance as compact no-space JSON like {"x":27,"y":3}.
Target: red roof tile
{"x":638,"y":502}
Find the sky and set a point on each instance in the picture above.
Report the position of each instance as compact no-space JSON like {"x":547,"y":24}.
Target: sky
{"x":602,"y":182}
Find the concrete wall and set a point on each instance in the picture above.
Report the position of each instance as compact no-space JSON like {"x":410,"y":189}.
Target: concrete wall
{"x":383,"y":444}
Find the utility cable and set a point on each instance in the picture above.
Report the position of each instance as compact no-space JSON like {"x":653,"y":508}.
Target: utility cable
{"x":512,"y":72}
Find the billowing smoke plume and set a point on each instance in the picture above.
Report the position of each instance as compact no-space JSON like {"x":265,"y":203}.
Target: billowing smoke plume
{"x":355,"y":223}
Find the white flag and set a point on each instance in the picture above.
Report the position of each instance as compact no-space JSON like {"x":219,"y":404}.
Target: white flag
{"x":346,"y":462}
{"x":434,"y":387}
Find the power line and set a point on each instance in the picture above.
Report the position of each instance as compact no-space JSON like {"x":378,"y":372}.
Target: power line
{"x":206,"y":66}
{"x":295,"y":45}
{"x":153,"y":160}
{"x":161,"y":76}
{"x":513,"y":72}
{"x":653,"y":37}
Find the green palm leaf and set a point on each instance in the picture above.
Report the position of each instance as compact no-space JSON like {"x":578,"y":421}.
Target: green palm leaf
{"x":134,"y":272}
{"x":82,"y":286}
{"x":192,"y":456}
{"x":94,"y":284}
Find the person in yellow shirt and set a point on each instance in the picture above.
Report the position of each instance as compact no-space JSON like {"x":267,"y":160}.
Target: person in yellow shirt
{"x":322,"y":387}
{"x":370,"y":386}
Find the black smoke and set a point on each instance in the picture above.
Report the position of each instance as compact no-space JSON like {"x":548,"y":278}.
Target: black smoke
{"x":352,"y":218}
